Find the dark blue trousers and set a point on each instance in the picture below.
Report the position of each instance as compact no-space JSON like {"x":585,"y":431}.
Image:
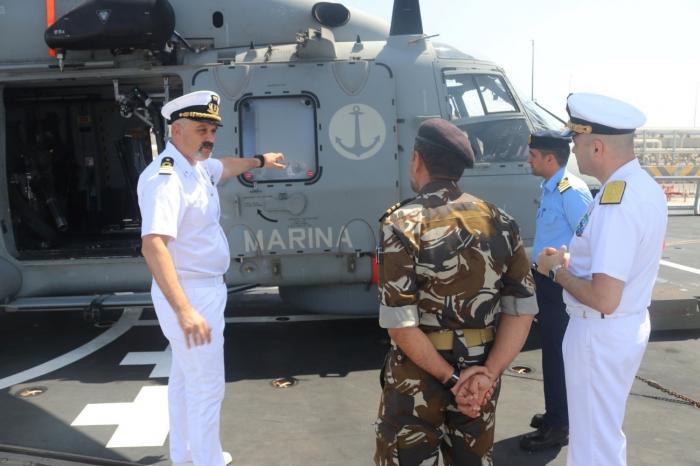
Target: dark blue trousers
{"x":552,"y":319}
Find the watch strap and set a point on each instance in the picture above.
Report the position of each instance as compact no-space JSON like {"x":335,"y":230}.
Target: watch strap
{"x":553,"y":272}
{"x":452,"y":381}
{"x":260,"y":158}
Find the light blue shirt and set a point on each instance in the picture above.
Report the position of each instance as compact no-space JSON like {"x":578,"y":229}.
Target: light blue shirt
{"x":559,"y":212}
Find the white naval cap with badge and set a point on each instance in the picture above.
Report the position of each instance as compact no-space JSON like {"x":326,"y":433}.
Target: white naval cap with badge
{"x":599,"y":114}
{"x":198,"y":106}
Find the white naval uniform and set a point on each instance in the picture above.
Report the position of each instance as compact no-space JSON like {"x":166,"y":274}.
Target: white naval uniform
{"x":602,"y":356}
{"x":184,"y":205}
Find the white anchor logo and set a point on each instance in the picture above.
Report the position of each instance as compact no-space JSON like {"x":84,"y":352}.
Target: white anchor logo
{"x":357,"y":131}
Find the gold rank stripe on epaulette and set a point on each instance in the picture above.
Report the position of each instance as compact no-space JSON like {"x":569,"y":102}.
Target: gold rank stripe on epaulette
{"x":166,"y":166}
{"x":563,"y":185}
{"x":613,"y":192}
{"x":393,"y":208}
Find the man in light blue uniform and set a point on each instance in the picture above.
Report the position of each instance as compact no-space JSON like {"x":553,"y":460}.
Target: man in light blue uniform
{"x":564,"y":200}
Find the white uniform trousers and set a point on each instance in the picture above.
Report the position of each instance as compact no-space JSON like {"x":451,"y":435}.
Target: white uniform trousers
{"x":196,"y":385}
{"x":601,"y":358}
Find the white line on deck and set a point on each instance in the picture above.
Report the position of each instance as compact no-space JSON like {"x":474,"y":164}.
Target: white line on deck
{"x":162,"y":360}
{"x":141,"y":423}
{"x":684,"y":268}
{"x":127,"y":320}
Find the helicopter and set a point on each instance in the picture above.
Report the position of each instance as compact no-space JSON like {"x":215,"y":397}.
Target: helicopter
{"x":339,"y":92}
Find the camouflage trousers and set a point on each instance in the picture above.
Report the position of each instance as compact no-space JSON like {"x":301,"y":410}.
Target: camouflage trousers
{"x":418,"y":418}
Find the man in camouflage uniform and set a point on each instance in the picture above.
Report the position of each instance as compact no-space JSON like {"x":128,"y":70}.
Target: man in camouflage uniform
{"x":447,"y":260}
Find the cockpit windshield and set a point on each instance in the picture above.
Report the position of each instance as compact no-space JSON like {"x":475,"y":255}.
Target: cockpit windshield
{"x":483,"y":106}
{"x":474,"y":95}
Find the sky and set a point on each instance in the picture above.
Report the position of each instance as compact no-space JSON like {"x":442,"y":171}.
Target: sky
{"x":644,"y":52}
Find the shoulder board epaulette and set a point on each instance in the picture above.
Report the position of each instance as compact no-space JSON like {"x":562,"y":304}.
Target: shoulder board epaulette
{"x":391,"y":209}
{"x":612,"y":193}
{"x":166,"y":166}
{"x":563,"y":185}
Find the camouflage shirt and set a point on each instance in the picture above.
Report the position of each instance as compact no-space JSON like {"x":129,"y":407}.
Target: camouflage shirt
{"x":445,"y":260}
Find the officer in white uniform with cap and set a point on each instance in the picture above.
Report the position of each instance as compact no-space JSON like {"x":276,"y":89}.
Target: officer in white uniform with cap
{"x":187,"y":253}
{"x":607,"y":277}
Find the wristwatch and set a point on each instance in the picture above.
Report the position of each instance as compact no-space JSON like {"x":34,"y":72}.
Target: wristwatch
{"x":261,"y":159}
{"x":452,"y":381}
{"x":553,"y":272}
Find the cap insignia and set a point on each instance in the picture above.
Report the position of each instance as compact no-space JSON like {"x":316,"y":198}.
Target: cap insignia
{"x":166,"y":166}
{"x":213,"y":106}
{"x":578,"y":128}
{"x":612,"y":193}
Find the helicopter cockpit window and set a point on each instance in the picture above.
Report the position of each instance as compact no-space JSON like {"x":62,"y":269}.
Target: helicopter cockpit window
{"x":280,"y":124}
{"x":473,"y":95}
{"x":497,"y":99}
{"x":484,"y":107}
{"x":471,"y":104}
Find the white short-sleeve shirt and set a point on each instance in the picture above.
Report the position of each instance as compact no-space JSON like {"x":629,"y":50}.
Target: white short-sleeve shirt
{"x":623,"y":240}
{"x":184,"y":205}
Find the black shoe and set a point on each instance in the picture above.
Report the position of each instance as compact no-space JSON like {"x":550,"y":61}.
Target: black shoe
{"x":537,"y":421}
{"x":544,"y":439}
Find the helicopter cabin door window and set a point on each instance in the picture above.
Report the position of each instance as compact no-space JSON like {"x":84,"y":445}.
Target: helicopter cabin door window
{"x":279,"y":124}
{"x":483,"y":106}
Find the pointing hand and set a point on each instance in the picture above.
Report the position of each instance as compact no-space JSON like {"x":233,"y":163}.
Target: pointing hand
{"x":274,"y":160}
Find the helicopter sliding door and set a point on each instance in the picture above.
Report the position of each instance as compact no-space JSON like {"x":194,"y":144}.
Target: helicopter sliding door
{"x":73,"y":156}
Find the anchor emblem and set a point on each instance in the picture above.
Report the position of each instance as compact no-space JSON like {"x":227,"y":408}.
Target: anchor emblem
{"x":358,"y":149}
{"x":347,"y":139}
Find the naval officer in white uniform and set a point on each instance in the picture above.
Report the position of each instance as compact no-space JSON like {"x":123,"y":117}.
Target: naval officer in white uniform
{"x":607,"y":278}
{"x":187,"y":253}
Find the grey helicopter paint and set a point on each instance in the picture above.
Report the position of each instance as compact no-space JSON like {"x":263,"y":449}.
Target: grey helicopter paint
{"x":339,"y":92}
